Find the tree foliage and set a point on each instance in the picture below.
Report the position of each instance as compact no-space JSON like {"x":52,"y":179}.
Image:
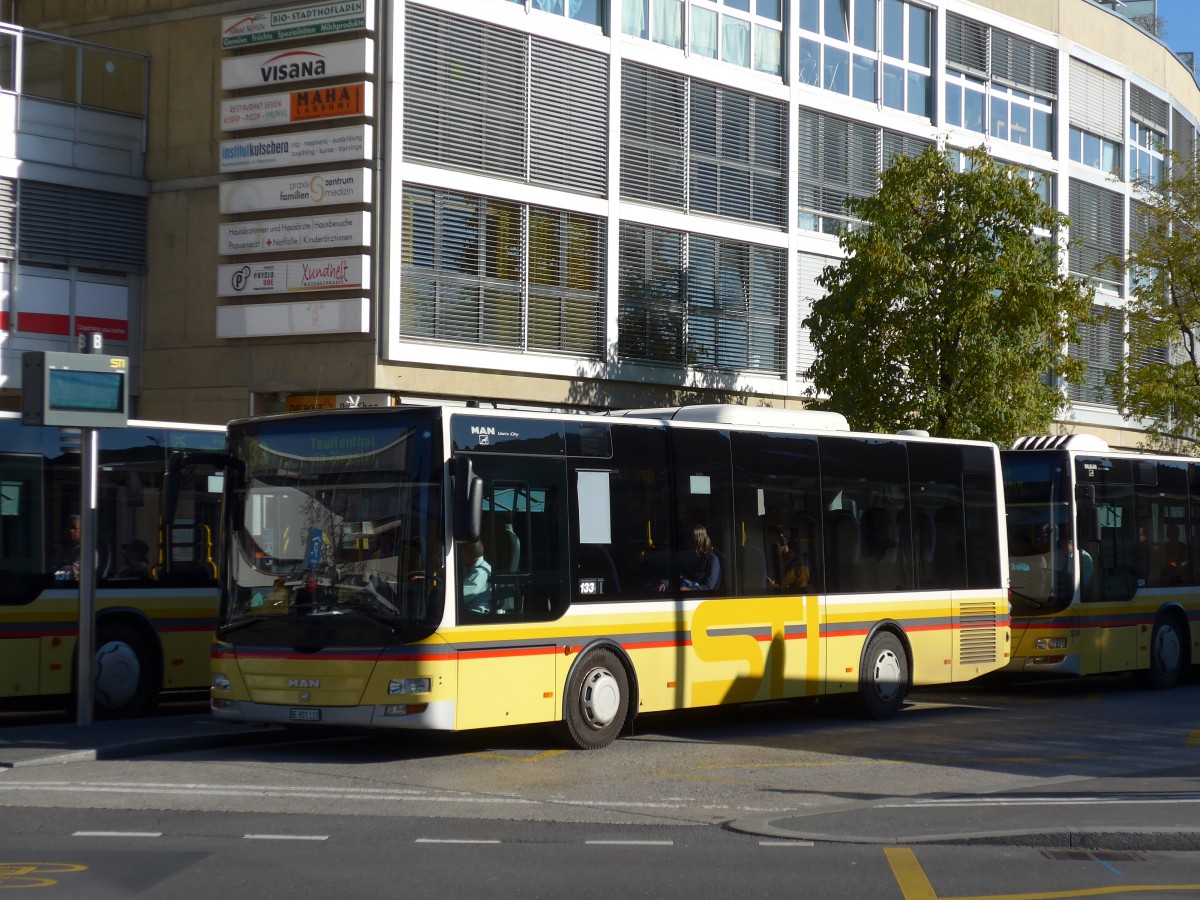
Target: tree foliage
{"x":949,"y":310}
{"x":1158,"y":382}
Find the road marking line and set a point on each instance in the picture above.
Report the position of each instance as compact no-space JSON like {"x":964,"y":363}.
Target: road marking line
{"x":914,"y":884}
{"x":909,"y":874}
{"x":454,"y":841}
{"x":632,"y":843}
{"x":537,"y":757}
{"x":785,"y":843}
{"x":143,"y":834}
{"x":1194,"y":738}
{"x":286,"y":837}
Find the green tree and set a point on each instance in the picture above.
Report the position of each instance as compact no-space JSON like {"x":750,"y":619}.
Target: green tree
{"x":1158,"y":382}
{"x":949,"y":310}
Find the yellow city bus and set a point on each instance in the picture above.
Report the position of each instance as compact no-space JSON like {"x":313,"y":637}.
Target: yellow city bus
{"x":1104,"y":555}
{"x":452,"y":568}
{"x":156,"y":591}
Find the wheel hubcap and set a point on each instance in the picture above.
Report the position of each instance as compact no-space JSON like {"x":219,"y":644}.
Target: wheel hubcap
{"x":888,"y":676}
{"x":117,"y":674}
{"x":600,"y":698}
{"x":1167,"y":651}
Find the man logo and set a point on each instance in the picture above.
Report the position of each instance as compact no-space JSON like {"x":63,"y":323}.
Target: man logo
{"x":304,"y":682}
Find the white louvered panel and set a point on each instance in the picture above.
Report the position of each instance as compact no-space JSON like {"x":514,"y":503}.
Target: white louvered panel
{"x":1102,"y":347}
{"x":1183,"y":135}
{"x":566,"y":281}
{"x":568,"y":117}
{"x":1097,"y":232}
{"x":1097,"y":101}
{"x":1148,"y":109}
{"x":464,"y":93}
{"x":650,"y":316}
{"x":967,"y":44}
{"x":653,"y":135}
{"x":809,"y":292}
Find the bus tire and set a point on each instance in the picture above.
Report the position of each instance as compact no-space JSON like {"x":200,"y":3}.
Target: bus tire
{"x":883,"y":678}
{"x":597,"y":700}
{"x":1167,"y":655}
{"x":122,"y":672}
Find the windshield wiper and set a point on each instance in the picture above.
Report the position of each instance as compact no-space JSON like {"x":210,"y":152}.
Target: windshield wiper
{"x":231,"y":627}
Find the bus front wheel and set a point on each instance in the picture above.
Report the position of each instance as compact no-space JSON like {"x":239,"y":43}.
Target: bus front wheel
{"x":1166,"y":655}
{"x":597,"y":700}
{"x":122,"y":672}
{"x":883,"y":680}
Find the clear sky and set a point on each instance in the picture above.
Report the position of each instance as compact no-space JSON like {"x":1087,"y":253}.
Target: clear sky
{"x":1182,"y":19}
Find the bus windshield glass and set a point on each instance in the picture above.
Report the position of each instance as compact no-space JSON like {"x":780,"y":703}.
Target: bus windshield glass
{"x":1040,"y":531}
{"x":335,"y":522}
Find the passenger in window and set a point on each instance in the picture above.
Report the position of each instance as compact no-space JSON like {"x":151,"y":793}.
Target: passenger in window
{"x":476,"y":579}
{"x":699,"y":564}
{"x":67,"y":568}
{"x":790,"y":570}
{"x":136,"y":563}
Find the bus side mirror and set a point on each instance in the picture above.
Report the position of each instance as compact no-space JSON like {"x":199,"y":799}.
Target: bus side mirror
{"x":468,"y":502}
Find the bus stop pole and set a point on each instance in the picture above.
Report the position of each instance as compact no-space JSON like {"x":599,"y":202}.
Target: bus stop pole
{"x":85,"y":648}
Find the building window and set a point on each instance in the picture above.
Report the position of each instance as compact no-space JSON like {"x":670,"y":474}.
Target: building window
{"x":746,"y":33}
{"x":840,"y":159}
{"x":1000,"y":85}
{"x":693,"y":300}
{"x":1097,"y":235}
{"x":1095,"y":152}
{"x":590,"y":11}
{"x":701,"y":147}
{"x":873,"y":50}
{"x":506,"y":104}
{"x":478,"y":270}
{"x":1101,"y":346}
{"x":1146,"y":162}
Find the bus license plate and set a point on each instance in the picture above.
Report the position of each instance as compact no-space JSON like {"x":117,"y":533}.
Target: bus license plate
{"x":304,"y":715}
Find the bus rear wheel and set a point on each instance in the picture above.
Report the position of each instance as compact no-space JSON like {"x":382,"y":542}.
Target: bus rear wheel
{"x":1166,"y":655}
{"x":597,"y":700}
{"x":883,"y":679}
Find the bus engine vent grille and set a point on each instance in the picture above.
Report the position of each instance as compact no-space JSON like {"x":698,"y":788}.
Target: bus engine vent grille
{"x":977,"y":632}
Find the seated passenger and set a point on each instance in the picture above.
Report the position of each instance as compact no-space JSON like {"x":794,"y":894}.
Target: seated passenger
{"x":699,"y":565}
{"x":476,"y":579}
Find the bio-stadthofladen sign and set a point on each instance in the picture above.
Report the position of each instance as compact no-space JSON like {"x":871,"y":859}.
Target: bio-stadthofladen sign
{"x":296,"y":22}
{"x":328,"y":273}
{"x":296,"y":191}
{"x":351,"y":229}
{"x":275,"y":151}
{"x":303,"y":105}
{"x":298,"y":64}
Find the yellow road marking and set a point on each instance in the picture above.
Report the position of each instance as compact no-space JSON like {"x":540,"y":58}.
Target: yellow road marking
{"x":914,"y":884}
{"x":16,"y":876}
{"x":909,"y":874}
{"x":537,"y":757}
{"x":1194,"y":738}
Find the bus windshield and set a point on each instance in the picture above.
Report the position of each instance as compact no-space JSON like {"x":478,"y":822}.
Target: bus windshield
{"x":335,"y":531}
{"x":1040,"y":531}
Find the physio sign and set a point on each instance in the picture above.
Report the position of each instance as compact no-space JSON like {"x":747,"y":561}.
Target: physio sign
{"x":328,"y":273}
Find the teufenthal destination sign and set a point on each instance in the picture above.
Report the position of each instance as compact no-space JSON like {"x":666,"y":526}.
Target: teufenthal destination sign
{"x":296,"y":22}
{"x":275,"y":151}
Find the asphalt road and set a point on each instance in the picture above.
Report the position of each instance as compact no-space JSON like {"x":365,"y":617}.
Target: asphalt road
{"x":1089,"y":788}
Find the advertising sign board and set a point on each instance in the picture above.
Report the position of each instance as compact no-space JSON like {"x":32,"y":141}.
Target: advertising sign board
{"x":302,"y":105}
{"x":351,"y":229}
{"x":276,"y":151}
{"x":298,"y":64}
{"x":296,"y":191}
{"x":328,"y":273}
{"x":296,"y":22}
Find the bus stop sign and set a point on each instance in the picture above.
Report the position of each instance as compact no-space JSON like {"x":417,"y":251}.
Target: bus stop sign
{"x":78,"y":390}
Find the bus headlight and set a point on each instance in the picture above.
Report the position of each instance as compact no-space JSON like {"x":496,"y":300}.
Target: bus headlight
{"x":408,"y":686}
{"x":221,"y":682}
{"x":1058,"y":643}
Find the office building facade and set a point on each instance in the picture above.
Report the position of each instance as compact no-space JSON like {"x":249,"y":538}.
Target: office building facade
{"x":580,"y":203}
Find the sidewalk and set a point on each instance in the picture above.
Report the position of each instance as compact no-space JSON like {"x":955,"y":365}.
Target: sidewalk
{"x":64,"y":742}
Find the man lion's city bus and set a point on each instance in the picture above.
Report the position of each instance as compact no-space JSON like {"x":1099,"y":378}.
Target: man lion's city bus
{"x":453,"y":568}
{"x":1105,"y":559}
{"x":156,"y":590}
